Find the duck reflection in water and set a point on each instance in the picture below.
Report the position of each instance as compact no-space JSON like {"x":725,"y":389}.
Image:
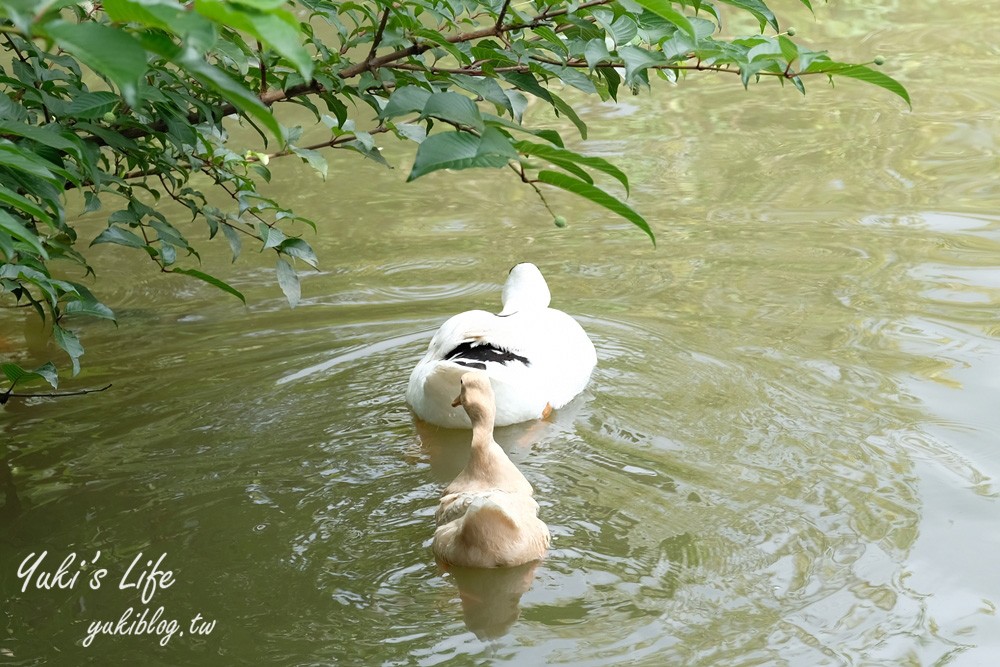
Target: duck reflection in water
{"x":491,"y":598}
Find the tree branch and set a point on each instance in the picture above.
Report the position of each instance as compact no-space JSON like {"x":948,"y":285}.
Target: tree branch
{"x":58,"y":394}
{"x":263,"y":67}
{"x":502,"y":14}
{"x":524,"y":68}
{"x":270,"y":97}
{"x":331,"y":143}
{"x":377,"y":39}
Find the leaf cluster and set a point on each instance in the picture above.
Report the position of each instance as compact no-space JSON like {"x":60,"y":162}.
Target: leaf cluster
{"x":137,"y":102}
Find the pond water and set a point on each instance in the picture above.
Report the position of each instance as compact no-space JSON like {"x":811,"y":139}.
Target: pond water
{"x":787,"y":453}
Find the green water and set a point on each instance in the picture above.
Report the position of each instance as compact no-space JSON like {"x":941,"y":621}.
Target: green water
{"x":787,"y":453}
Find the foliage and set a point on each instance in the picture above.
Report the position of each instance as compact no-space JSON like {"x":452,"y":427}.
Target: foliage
{"x":128,"y":101}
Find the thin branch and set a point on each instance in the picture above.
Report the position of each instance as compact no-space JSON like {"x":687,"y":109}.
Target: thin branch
{"x":580,"y":64}
{"x":331,"y":143}
{"x":548,"y":13}
{"x":377,"y":39}
{"x":263,"y":67}
{"x":236,"y":197}
{"x":58,"y":394}
{"x":502,"y":15}
{"x":518,"y":169}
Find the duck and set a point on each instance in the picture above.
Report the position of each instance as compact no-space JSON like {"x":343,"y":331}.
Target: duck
{"x":537,"y":358}
{"x":487,"y":516}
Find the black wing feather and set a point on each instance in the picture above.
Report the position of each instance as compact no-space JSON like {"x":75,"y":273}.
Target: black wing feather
{"x":475,"y":355}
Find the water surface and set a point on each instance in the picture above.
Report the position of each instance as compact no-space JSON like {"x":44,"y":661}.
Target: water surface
{"x":787,"y":454}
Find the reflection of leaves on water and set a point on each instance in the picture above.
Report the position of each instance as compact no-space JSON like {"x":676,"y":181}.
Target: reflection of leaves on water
{"x":676,"y":554}
{"x":12,"y":503}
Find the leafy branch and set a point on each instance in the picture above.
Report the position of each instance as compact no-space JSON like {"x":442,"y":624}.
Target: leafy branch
{"x":128,"y":101}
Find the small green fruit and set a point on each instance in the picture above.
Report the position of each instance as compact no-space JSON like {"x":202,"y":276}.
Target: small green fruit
{"x":109,"y":117}
{"x":879,"y":60}
{"x":791,"y":32}
{"x":560,"y":221}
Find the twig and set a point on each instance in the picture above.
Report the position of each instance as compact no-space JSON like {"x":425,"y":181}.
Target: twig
{"x":263,"y":67}
{"x":502,"y":15}
{"x":331,"y":143}
{"x":377,"y":39}
{"x":518,"y":169}
{"x":472,"y":71}
{"x":58,"y":394}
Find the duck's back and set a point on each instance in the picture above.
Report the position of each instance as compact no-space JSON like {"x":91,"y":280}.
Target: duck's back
{"x":492,"y":529}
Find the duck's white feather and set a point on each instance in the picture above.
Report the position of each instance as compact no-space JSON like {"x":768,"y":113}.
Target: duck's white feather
{"x":536,"y":357}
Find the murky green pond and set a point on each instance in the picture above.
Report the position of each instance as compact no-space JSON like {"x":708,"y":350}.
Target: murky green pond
{"x":788,"y":453}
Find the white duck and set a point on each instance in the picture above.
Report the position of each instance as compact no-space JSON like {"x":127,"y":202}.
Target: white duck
{"x":487,"y":517}
{"x":537,"y":358}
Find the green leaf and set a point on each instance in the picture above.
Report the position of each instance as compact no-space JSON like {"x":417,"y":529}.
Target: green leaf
{"x":230,"y":89}
{"x":442,"y":42}
{"x":596,"y":195}
{"x":313,"y":158}
{"x":573,"y":77}
{"x":14,"y":157}
{"x":263,"y":5}
{"x":17,"y":230}
{"x":406,"y":99}
{"x":550,"y":153}
{"x":288,"y":281}
{"x":638,"y":60}
{"x":271,"y":236}
{"x":235,"y":245}
{"x":621,"y":28}
{"x":415,"y":133}
{"x":528,"y":83}
{"x":16,"y":374}
{"x":93,"y":105}
{"x":90,"y":309}
{"x":565,"y":109}
{"x":168,"y":15}
{"x":758,"y":9}
{"x":48,"y":372}
{"x":211,"y":280}
{"x":119,"y":236}
{"x":764,"y":48}
{"x":296,"y":247}
{"x":551,"y":37}
{"x":664,"y":9}
{"x":548,"y":135}
{"x":862,"y":73}
{"x":789,"y":49}
{"x":596,"y":52}
{"x":108,"y":51}
{"x":486,"y":88}
{"x":368,"y":151}
{"x":454,"y":108}
{"x":48,"y":135}
{"x":462,"y":150}
{"x":70,"y":344}
{"x":272,"y":25}
{"x":33,"y":210}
